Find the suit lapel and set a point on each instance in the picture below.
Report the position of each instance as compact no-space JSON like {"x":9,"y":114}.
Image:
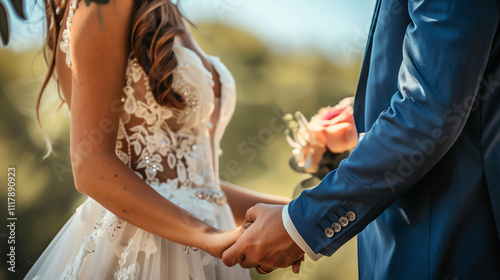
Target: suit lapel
{"x":359,"y":102}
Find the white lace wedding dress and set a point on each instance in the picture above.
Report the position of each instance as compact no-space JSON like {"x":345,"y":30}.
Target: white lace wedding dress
{"x":179,"y":163}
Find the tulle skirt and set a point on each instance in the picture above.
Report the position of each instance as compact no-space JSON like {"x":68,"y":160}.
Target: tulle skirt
{"x":95,"y":244}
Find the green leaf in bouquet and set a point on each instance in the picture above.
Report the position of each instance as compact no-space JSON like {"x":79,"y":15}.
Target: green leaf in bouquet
{"x":4,"y":25}
{"x":19,"y":8}
{"x":87,"y":2}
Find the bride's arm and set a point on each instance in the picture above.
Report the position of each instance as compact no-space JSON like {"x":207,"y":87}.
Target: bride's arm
{"x":241,"y":200}
{"x":99,"y":57}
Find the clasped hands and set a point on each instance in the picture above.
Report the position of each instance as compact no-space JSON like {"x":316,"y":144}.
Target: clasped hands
{"x":264,"y":243}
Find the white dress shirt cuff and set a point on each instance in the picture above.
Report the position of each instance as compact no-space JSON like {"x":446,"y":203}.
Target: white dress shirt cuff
{"x":297,"y":238}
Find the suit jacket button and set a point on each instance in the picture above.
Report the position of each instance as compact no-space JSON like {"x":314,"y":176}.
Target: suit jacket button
{"x":351,"y":216}
{"x":343,"y":221}
{"x":336,"y":227}
{"x":329,"y":233}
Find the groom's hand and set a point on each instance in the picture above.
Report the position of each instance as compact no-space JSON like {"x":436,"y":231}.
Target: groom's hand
{"x":265,"y":243}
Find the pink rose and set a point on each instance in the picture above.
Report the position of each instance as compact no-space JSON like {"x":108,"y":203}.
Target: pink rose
{"x":333,"y":129}
{"x":337,"y":125}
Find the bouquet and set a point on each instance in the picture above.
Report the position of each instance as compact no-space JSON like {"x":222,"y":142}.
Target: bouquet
{"x":321,"y":143}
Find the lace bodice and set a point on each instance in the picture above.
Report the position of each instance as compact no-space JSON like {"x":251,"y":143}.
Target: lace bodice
{"x":171,"y":148}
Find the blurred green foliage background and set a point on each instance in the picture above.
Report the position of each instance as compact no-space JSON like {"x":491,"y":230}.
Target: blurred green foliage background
{"x":268,"y":84}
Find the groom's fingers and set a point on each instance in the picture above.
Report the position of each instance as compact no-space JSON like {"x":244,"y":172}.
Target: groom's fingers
{"x":246,"y":225}
{"x":233,"y":255}
{"x":296,"y":265}
{"x":251,"y":215}
{"x":254,"y":212}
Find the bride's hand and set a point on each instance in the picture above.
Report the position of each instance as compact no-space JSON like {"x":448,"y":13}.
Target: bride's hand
{"x":219,"y":240}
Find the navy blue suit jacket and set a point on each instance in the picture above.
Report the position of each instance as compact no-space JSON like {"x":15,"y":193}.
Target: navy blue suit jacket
{"x":424,"y":181}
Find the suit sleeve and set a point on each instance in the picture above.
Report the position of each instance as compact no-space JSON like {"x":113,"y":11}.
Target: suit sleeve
{"x":445,"y":52}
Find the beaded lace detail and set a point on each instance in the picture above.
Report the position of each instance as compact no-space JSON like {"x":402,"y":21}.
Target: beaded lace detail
{"x":152,"y":141}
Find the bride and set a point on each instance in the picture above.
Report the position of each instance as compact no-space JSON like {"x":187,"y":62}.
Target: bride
{"x":148,"y":110}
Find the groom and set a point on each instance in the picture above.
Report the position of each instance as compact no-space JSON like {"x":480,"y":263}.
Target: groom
{"x":422,"y":187}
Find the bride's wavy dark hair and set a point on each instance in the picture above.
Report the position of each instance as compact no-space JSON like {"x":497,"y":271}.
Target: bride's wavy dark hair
{"x":153,"y":27}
